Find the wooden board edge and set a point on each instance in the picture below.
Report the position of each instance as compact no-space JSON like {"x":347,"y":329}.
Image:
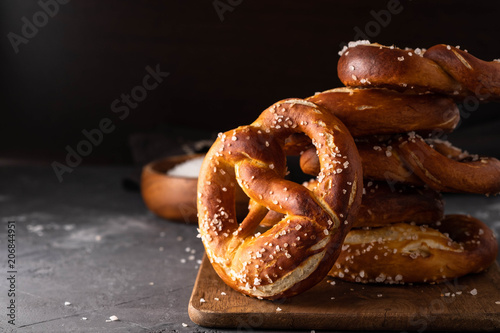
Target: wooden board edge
{"x":392,"y":322}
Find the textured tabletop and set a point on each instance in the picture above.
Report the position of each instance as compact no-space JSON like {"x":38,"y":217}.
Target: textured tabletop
{"x":87,"y":249}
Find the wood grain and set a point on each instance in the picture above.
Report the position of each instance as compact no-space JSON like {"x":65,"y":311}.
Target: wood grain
{"x":338,"y":305}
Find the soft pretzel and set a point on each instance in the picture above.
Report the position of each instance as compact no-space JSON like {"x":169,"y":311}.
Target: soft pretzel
{"x":382,"y":205}
{"x":410,"y":159}
{"x":298,"y":251}
{"x":440,"y":69}
{"x":383,"y":111}
{"x":403,"y":253}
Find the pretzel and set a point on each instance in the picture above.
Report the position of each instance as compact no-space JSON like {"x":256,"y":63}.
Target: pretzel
{"x":298,"y":251}
{"x":404,"y":253}
{"x":382,"y":205}
{"x":409,"y":159}
{"x":383,"y":111}
{"x":441,"y":69}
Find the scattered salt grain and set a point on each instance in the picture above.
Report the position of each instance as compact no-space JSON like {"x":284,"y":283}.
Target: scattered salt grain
{"x":202,"y":300}
{"x":84,"y":318}
{"x":497,"y":302}
{"x":278,"y":309}
{"x":112,"y":318}
{"x":473,"y":292}
{"x":184,"y":325}
{"x":67,"y":303}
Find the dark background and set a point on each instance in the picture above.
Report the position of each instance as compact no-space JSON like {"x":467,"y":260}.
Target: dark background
{"x":223,"y":73}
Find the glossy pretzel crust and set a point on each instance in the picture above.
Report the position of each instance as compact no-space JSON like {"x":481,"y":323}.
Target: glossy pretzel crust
{"x":298,"y":251}
{"x":403,"y":253}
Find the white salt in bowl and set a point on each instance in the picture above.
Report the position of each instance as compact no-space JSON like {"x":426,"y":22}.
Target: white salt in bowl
{"x":169,"y":188}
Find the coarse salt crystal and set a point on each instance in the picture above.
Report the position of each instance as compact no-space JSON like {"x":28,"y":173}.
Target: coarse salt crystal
{"x":190,"y":168}
{"x":353,"y":44}
{"x":473,"y":292}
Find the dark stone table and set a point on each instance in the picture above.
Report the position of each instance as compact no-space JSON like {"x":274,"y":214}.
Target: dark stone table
{"x":88,"y":249}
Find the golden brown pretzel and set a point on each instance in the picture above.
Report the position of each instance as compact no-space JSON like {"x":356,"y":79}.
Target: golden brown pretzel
{"x":442,"y":69}
{"x":409,"y":159}
{"x":402,"y":253}
{"x":383,"y":111}
{"x":298,"y":251}
{"x":382,"y":205}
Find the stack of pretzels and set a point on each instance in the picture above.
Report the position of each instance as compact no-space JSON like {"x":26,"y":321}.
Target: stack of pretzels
{"x":374,"y":211}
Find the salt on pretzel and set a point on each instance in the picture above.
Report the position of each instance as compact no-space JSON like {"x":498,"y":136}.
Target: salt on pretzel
{"x":441,"y":69}
{"x":382,"y":204}
{"x":403,"y":253}
{"x":410,"y":159}
{"x":297,"y":252}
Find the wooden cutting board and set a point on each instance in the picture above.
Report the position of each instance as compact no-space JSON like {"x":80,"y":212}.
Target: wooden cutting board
{"x":338,"y":305}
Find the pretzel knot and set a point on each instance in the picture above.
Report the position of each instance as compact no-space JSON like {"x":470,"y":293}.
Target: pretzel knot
{"x":410,"y":159}
{"x":297,"y":252}
{"x":403,"y":253}
{"x":442,"y":69}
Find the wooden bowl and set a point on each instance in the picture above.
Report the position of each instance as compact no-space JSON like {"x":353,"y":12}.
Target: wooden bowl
{"x":174,"y":197}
